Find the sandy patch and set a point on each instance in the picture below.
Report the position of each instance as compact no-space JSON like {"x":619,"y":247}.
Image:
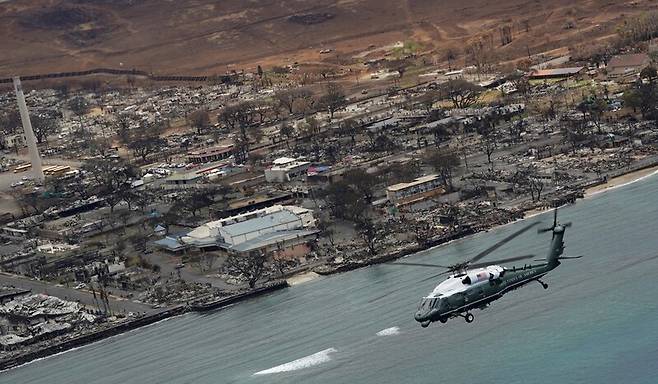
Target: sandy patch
{"x":302,"y":278}
{"x":621,"y":180}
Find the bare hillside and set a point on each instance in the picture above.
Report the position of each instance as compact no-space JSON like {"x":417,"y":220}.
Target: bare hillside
{"x":201,"y":36}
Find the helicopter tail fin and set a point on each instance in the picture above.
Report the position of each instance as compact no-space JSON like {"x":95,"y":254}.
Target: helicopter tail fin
{"x":557,"y":247}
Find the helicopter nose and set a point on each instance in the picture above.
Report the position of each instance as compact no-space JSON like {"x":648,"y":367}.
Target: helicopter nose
{"x":419,"y":316}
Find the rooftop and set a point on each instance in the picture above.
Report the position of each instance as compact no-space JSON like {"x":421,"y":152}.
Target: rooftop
{"x":289,"y":164}
{"x":556,"y":72}
{"x":260,"y":223}
{"x":272,"y":238}
{"x":418,"y":181}
{"x":283,"y":160}
{"x":630,"y":60}
{"x":170,"y":243}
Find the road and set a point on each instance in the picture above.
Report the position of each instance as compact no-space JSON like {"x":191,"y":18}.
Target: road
{"x":595,"y":324}
{"x":84,"y":297}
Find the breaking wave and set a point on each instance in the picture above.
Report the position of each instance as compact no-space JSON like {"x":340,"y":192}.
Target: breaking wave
{"x":304,"y":362}
{"x":389,"y":331}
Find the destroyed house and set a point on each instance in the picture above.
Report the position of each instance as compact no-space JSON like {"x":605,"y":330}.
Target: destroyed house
{"x":210,"y":154}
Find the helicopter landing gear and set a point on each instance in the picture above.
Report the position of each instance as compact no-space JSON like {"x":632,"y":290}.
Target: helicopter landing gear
{"x":425,"y":324}
{"x":469,"y":317}
{"x":542,"y":284}
{"x":443,"y":320}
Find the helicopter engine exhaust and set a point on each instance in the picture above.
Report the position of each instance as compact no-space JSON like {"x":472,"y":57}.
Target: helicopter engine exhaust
{"x":490,"y":273}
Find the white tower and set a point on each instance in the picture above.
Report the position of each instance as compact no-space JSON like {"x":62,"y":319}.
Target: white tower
{"x":37,"y":171}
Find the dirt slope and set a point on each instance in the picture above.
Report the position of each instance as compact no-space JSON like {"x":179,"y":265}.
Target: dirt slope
{"x":202,"y":36}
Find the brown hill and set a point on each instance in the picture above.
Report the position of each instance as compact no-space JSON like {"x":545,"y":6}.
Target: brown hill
{"x":202,"y":36}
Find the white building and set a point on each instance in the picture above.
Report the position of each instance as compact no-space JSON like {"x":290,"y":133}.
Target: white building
{"x":286,"y":169}
{"x":265,"y":228}
{"x":420,"y":188}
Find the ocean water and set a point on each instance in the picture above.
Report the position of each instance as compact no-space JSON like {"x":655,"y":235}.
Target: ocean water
{"x":597,"y":323}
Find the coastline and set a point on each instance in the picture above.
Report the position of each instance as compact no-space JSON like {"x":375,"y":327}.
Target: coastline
{"x":621,"y":180}
{"x":90,"y":338}
{"x":297,"y":278}
{"x":595,"y":188}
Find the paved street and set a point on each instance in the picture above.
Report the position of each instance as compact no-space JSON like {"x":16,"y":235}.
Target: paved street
{"x":85,"y":297}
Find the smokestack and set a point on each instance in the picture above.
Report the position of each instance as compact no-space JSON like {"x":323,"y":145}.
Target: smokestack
{"x":37,"y":171}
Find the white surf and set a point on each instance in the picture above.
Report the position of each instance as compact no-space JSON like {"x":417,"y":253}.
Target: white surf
{"x":304,"y":362}
{"x":389,"y":331}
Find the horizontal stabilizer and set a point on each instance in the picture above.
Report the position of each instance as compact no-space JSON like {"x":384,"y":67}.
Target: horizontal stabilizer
{"x":563,"y":258}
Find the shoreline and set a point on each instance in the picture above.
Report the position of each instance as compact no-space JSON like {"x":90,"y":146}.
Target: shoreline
{"x":298,"y":278}
{"x":621,"y":180}
{"x":144,"y":321}
{"x":594,"y":189}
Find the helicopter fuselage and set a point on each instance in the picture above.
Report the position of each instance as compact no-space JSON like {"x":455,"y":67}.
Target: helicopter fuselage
{"x":459,"y":293}
{"x":477,"y":288}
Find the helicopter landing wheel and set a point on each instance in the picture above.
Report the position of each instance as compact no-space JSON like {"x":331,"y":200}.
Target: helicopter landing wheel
{"x":543,"y":284}
{"x":443,"y":320}
{"x":425,"y":324}
{"x":469,"y":317}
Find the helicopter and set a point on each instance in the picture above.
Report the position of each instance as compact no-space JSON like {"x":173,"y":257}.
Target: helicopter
{"x":476,"y":285}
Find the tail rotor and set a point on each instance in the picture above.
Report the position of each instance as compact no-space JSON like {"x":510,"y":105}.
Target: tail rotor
{"x":555,"y":224}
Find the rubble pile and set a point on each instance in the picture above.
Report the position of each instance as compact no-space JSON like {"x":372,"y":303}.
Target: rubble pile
{"x":177,"y":292}
{"x":37,"y":318}
{"x":39,"y":305}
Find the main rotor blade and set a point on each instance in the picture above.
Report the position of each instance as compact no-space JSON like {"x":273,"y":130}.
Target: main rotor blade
{"x":420,"y":265}
{"x":502,"y":261}
{"x":435,"y":275}
{"x":502,"y":242}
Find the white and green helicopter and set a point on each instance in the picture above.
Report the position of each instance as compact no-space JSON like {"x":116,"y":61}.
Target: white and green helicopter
{"x":475,"y":285}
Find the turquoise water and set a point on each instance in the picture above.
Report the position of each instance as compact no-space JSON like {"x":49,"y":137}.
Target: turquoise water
{"x":597,"y":323}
